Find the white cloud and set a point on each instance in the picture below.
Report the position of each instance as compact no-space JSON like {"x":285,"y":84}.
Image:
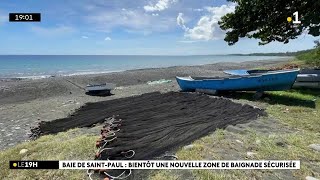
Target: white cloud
{"x":181,"y":21}
{"x":155,"y":14}
{"x":133,"y":20}
{"x":207,"y":28}
{"x":52,"y":31}
{"x":159,"y":6}
{"x":107,"y":39}
{"x":198,"y":10}
{"x":84,"y":37}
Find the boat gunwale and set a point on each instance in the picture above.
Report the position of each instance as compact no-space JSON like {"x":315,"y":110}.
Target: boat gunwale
{"x":189,"y":78}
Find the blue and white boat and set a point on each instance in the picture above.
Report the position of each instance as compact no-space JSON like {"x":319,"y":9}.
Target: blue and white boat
{"x":309,"y":78}
{"x":267,"y":81}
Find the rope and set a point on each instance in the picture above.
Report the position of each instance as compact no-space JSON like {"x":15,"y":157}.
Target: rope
{"x":106,"y":133}
{"x":75,"y":84}
{"x":173,"y":156}
{"x":133,"y":153}
{"x":90,"y":174}
{"x":119,"y":177}
{"x":110,"y":134}
{"x":107,"y":141}
{"x":101,"y":150}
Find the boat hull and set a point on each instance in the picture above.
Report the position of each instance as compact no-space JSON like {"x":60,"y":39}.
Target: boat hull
{"x":275,"y":81}
{"x":100,"y":87}
{"x":312,"y":85}
{"x":307,"y":78}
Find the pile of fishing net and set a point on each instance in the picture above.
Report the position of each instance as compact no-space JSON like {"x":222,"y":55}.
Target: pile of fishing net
{"x":147,"y":126}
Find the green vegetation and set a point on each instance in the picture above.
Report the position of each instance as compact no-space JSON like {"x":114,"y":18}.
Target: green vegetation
{"x":311,"y":58}
{"x":269,"y":54}
{"x":296,"y":53}
{"x":298,"y":109}
{"x":267,"y":21}
{"x":64,"y":146}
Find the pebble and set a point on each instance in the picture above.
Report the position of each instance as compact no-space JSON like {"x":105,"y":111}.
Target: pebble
{"x":258,"y":141}
{"x":267,"y":99}
{"x":286,"y":110}
{"x":119,"y":88}
{"x":23,"y":151}
{"x":188,"y":147}
{"x":280,"y":143}
{"x":311,"y":178}
{"x":238,"y":141}
{"x":10,"y":134}
{"x":315,"y":147}
{"x":235,"y":129}
{"x":251,"y":154}
{"x":17,"y":128}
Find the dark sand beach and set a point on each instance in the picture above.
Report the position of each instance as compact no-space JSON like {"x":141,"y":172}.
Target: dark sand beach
{"x":25,"y":103}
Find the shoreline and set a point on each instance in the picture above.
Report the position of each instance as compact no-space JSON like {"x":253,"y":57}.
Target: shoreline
{"x":103,"y":72}
{"x":25,"y":103}
{"x":19,"y":91}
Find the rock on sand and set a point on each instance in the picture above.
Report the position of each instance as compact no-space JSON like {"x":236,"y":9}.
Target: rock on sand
{"x":251,"y":154}
{"x":311,"y":178}
{"x":188,"y":147}
{"x":315,"y":147}
{"x":23,"y":151}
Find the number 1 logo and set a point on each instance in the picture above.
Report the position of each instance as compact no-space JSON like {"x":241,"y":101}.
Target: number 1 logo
{"x":296,"y":18}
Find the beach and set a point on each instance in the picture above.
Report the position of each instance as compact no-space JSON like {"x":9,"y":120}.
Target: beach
{"x":157,"y":121}
{"x":24,"y":103}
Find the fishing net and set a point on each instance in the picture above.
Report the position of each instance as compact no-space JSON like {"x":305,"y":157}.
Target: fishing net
{"x":145,"y":127}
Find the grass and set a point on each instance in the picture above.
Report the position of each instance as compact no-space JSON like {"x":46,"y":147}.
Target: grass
{"x":300,"y":115}
{"x":64,"y":146}
{"x":296,"y":111}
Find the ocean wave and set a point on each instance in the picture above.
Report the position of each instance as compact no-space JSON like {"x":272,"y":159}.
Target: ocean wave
{"x":35,"y":77}
{"x":91,"y":73}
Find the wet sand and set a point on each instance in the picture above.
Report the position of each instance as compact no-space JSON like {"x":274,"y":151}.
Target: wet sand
{"x":24,"y":103}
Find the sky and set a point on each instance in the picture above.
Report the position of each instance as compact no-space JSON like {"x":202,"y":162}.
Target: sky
{"x":126,"y":27}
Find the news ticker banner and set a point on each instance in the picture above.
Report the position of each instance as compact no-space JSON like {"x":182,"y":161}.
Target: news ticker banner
{"x":230,"y":164}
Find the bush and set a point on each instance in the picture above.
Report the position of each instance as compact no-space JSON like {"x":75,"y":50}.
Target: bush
{"x":311,"y":58}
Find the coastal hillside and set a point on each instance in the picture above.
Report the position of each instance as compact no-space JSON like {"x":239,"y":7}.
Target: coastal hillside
{"x":302,"y":55}
{"x":310,"y":57}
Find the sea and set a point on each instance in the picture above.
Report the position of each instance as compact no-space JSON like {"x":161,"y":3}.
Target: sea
{"x":44,"y":66}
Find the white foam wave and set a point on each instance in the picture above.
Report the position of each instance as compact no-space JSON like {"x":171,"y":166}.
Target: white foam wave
{"x":34,"y":77}
{"x":90,"y":73}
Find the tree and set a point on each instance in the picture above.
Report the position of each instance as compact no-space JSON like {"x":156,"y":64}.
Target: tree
{"x":267,"y":20}
{"x":317,"y":44}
